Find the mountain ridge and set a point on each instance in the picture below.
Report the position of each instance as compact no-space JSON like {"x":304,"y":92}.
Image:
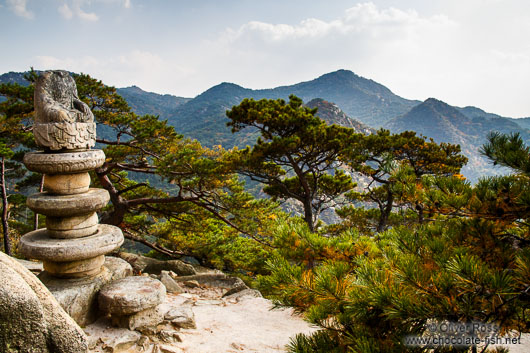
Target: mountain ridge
{"x":342,"y":97}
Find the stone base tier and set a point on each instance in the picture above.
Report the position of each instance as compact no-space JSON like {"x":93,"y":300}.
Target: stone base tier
{"x":68,"y":205}
{"x":65,"y":162}
{"x":63,"y":257}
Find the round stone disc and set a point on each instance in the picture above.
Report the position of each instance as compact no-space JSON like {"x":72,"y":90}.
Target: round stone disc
{"x":64,"y":163}
{"x":39,"y":245}
{"x":130,"y":295}
{"x":68,"y":205}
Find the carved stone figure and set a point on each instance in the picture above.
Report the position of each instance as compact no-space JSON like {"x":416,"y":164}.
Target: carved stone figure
{"x":62,"y":120}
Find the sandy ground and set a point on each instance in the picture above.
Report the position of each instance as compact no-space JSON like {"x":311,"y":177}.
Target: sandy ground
{"x":244,"y":324}
{"x":522,"y":346}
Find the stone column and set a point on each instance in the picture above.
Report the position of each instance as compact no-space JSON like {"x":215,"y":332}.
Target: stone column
{"x":73,"y":244}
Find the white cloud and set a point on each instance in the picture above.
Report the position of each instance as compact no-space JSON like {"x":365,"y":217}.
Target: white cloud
{"x":65,"y":11}
{"x":87,"y":16}
{"x":19,"y":7}
{"x":363,"y":18}
{"x":74,"y":8}
{"x":137,"y":67}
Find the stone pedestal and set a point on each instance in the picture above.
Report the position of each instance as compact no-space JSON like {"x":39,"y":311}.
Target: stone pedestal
{"x":73,"y":244}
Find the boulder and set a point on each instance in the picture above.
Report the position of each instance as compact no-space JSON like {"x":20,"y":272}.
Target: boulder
{"x":219,"y":280}
{"x":246,"y":293}
{"x":146,"y":318}
{"x":130,"y":295}
{"x":192,"y":284}
{"x":171,"y":285}
{"x":78,"y":297}
{"x":33,"y":266}
{"x":122,"y":342}
{"x":236,"y":289}
{"x":118,"y":268}
{"x":181,"y":317}
{"x":169,"y":336}
{"x":146,"y":264}
{"x":31,"y":320}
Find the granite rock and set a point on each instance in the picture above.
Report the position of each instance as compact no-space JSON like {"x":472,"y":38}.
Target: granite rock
{"x":31,"y":320}
{"x":78,"y":297}
{"x":155,"y":266}
{"x":118,"y":268}
{"x":218,"y":280}
{"x":171,"y":285}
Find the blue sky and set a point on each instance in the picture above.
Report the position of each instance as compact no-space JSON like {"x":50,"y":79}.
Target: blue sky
{"x":464,"y":52}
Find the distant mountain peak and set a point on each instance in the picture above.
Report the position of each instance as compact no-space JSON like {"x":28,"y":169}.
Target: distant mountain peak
{"x":332,"y":114}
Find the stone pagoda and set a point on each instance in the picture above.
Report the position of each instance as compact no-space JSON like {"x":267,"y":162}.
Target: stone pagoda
{"x":73,"y":244}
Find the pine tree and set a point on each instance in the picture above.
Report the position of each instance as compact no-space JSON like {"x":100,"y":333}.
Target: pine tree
{"x":393,"y":166}
{"x":468,"y":263}
{"x":296,"y":155}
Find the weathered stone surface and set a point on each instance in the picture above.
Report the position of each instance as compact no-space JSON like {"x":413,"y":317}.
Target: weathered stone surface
{"x":75,"y":269}
{"x":219,"y":280}
{"x":78,"y":297}
{"x":146,"y":318}
{"x":38,"y":245}
{"x":181,"y":317}
{"x":66,"y":184}
{"x":236,"y":289}
{"x":120,"y":342}
{"x":169,"y":336}
{"x":103,"y":337}
{"x":31,"y":320}
{"x":62,"y":120}
{"x":67,"y":162}
{"x":164,"y":348}
{"x":68,"y":205}
{"x":150,"y":265}
{"x":118,"y":268}
{"x":72,"y":227}
{"x":33,"y":266}
{"x":169,"y":282}
{"x":246,"y":293}
{"x":191,"y":284}
{"x":131,"y":294}
{"x":70,"y":136}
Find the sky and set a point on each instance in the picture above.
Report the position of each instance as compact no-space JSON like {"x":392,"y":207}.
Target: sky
{"x":464,"y":52}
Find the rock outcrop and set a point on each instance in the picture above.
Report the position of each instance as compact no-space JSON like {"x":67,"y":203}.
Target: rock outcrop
{"x":31,"y":320}
{"x":149,"y":265}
